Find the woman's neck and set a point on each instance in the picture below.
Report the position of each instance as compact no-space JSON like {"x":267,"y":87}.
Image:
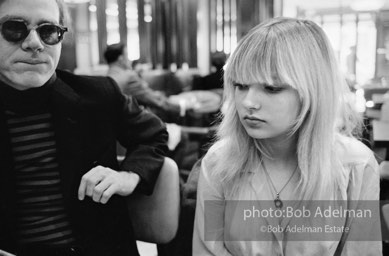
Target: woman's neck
{"x":282,"y":148}
{"x":281,"y":153}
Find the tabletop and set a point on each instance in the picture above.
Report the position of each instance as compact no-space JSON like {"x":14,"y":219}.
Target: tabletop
{"x":381,"y":134}
{"x":373,"y":113}
{"x":202,"y":102}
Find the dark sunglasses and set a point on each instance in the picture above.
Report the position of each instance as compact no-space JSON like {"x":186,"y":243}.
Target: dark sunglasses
{"x":16,"y":31}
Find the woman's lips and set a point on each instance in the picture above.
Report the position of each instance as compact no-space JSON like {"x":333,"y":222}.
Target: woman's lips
{"x":253,"y":118}
{"x":253,"y":121}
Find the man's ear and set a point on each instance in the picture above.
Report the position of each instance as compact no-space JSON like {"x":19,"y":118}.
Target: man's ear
{"x":121,"y":58}
{"x":123,"y":61}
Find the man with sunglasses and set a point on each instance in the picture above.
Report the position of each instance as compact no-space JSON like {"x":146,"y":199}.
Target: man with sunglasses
{"x":62,"y":191}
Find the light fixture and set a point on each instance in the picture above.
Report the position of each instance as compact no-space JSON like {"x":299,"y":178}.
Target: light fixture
{"x":92,"y":8}
{"x":369,"y":104}
{"x":112,"y":10}
{"x":364,"y":5}
{"x":147,"y":9}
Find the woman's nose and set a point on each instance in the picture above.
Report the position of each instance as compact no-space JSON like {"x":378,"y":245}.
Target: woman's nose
{"x":252,"y":100}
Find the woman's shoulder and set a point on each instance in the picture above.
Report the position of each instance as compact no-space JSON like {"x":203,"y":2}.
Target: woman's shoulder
{"x":352,"y":151}
{"x":360,"y":173}
{"x":209,"y":179}
{"x":215,"y":152}
{"x":214,"y":158}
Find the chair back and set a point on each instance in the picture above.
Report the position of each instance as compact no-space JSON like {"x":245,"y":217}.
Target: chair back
{"x":155,"y":218}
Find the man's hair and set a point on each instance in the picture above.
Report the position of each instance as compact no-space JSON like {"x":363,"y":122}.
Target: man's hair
{"x":63,"y":13}
{"x":113,"y":52}
{"x":218,"y":59}
{"x":134,"y":63}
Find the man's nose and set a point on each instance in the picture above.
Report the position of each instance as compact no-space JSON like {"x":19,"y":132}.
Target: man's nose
{"x":33,"y":42}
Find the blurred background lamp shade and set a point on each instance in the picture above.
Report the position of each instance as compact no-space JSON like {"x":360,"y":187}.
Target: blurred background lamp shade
{"x":367,"y":5}
{"x":76,"y":1}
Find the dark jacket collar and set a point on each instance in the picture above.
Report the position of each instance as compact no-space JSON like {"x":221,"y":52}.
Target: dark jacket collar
{"x":29,"y":101}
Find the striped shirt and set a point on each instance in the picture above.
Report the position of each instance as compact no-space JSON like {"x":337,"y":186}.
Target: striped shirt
{"x":41,"y":216}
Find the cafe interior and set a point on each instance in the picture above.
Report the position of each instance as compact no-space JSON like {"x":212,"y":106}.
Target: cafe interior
{"x":175,"y":43}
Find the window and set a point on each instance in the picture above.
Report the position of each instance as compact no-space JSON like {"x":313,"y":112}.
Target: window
{"x":93,"y":34}
{"x":353,"y":38}
{"x":223,"y":25}
{"x":132,"y":29}
{"x":112,"y":16}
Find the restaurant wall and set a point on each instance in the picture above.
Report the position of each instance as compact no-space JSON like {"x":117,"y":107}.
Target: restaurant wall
{"x":167,"y":34}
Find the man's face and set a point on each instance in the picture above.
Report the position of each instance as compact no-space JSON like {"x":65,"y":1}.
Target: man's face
{"x":29,"y":63}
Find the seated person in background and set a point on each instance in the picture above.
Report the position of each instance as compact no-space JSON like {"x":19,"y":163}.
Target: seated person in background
{"x":215,"y":79}
{"x":131,"y":83}
{"x":137,"y":67}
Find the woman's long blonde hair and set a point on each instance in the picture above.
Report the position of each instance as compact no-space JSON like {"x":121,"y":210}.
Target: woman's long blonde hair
{"x":297,"y":53}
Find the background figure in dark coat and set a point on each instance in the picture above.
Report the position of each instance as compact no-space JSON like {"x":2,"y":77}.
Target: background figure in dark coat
{"x":62,"y":191}
{"x":215,"y":79}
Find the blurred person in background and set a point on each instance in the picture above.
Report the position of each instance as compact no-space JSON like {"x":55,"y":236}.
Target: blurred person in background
{"x":214,"y":80}
{"x":137,"y":66}
{"x":62,"y":191}
{"x":131,"y":83}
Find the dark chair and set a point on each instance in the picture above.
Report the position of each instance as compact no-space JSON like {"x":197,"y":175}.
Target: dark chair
{"x":182,"y":243}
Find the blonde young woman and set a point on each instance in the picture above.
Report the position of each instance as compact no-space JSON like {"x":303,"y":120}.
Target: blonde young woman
{"x":286,"y":134}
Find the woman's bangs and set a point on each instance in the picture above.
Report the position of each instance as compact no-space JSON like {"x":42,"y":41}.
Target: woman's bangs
{"x":253,"y":70}
{"x":261,"y":65}
{"x":282,"y":74}
{"x":283,"y":65}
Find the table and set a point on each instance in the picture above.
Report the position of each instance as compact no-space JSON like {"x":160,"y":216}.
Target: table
{"x":201,"y":107}
{"x":381,"y":131}
{"x":381,"y":135}
{"x":199,"y":121}
{"x":201,"y":102}
{"x":372,"y":113}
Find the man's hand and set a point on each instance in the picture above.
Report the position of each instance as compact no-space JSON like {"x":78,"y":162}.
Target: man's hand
{"x":4,"y":253}
{"x":100,"y":183}
{"x":132,"y":76}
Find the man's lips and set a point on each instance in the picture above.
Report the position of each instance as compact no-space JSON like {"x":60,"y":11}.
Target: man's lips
{"x":31,"y":62}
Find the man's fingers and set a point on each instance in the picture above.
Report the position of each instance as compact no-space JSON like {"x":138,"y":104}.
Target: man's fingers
{"x":4,"y":253}
{"x":89,"y":181}
{"x":99,"y":190}
{"x":81,"y":190}
{"x":101,"y":183}
{"x":91,"y":184}
{"x":108,"y":193}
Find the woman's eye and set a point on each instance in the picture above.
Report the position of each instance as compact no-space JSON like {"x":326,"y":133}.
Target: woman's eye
{"x":240,"y":86}
{"x":273,"y":89}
